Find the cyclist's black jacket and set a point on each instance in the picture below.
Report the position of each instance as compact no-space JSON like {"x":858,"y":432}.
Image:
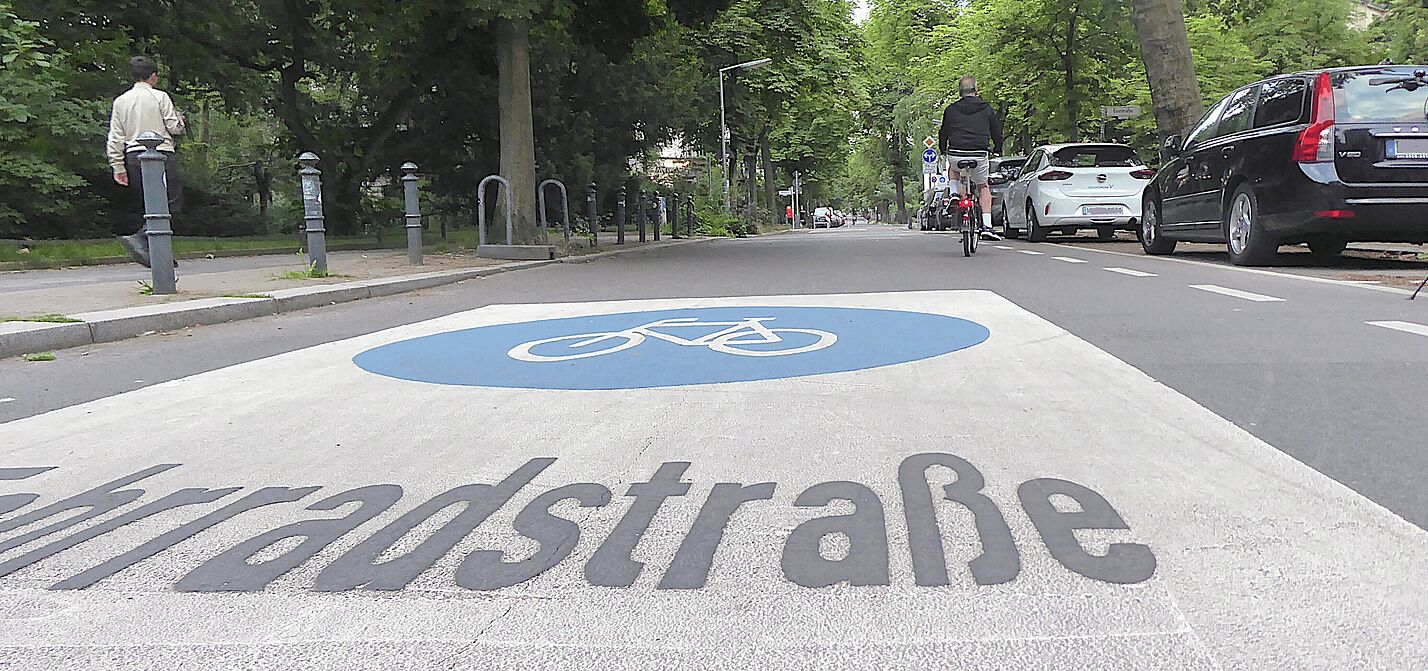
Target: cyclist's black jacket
{"x":970,"y":124}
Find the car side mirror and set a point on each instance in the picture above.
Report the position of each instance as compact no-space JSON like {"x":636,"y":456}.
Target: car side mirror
{"x":1173,"y":145}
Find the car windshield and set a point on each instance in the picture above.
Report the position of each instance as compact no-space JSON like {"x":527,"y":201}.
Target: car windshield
{"x":1375,"y":95}
{"x":1095,"y":156}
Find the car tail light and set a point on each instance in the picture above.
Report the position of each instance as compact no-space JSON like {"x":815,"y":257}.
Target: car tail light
{"x":1143,"y":173}
{"x":1316,"y":143}
{"x":1334,"y":214}
{"x":1054,"y":175}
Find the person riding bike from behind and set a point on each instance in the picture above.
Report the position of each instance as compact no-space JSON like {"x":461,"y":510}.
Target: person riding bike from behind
{"x":970,"y":124}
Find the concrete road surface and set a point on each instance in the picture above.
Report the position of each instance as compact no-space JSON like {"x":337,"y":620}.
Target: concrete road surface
{"x":848,"y":448}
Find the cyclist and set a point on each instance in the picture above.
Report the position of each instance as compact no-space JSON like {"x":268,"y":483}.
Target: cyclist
{"x":970,"y":124}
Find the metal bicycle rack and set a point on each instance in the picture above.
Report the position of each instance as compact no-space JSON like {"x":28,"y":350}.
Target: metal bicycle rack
{"x":564,"y":208}
{"x":507,"y":250}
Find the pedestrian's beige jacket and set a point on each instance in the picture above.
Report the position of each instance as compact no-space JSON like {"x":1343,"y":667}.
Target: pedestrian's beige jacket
{"x":141,"y":108}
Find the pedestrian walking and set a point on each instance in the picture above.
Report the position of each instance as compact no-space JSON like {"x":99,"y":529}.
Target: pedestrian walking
{"x":144,"y":107}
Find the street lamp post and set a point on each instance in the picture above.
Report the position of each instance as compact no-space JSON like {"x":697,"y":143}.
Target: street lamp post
{"x":723,"y":125}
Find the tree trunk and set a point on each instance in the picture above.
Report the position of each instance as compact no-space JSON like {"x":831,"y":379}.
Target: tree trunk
{"x":517,"y":130}
{"x":1169,"y":67}
{"x":899,"y":163}
{"x":770,"y":188}
{"x":751,"y":211}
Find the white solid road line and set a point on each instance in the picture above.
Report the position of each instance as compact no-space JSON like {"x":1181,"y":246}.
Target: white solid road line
{"x":1216,"y":289}
{"x":7,"y":400}
{"x":1132,"y":273}
{"x":1239,"y":269}
{"x":1067,"y":259}
{"x":1406,"y":327}
{"x":1028,"y":251}
{"x":1003,"y":247}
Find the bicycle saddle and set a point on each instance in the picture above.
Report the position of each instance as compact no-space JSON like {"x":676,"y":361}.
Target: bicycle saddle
{"x":967,"y":163}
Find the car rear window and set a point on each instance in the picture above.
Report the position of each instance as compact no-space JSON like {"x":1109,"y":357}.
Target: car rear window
{"x":1095,"y":156}
{"x":1376,"y":95}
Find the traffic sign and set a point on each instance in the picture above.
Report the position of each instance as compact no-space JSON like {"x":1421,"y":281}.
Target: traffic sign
{"x":929,"y":168}
{"x":1120,"y":111}
{"x":929,"y":156}
{"x":929,"y":142}
{"x":786,"y":192}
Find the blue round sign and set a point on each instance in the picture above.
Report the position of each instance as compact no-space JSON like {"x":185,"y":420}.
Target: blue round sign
{"x":928,"y":156}
{"x":665,"y":348}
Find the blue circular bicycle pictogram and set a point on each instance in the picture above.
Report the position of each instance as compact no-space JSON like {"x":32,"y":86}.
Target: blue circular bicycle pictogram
{"x":666,"y":348}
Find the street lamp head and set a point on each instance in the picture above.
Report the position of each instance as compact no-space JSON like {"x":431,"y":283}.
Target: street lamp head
{"x":748,"y":65}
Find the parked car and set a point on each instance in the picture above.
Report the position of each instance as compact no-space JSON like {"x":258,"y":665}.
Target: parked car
{"x":823,"y":217}
{"x":1002,"y":171}
{"x":1324,"y":157}
{"x":1068,"y":187}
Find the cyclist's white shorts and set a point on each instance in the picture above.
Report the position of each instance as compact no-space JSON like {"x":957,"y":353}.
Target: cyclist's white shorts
{"x":979,"y":175}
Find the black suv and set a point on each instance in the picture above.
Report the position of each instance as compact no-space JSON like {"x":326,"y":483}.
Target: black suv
{"x":1325,"y":158}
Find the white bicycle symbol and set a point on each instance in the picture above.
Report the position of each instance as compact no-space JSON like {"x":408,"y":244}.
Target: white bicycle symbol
{"x":731,"y":340}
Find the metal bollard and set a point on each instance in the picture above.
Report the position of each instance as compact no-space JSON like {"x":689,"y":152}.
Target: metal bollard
{"x":592,"y":215}
{"x":620,"y":218}
{"x":671,"y":214}
{"x":640,"y":218}
{"x":311,"y":179}
{"x":409,"y":187}
{"x":658,"y":207}
{"x":689,"y":215}
{"x":158,"y":222}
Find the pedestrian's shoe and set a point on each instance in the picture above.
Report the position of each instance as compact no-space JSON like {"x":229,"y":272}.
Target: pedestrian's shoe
{"x":138,"y":253}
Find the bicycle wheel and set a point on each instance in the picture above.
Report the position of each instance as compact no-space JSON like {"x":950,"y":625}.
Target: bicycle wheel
{"x":967,"y":234}
{"x":726,"y":344}
{"x":976,"y":227}
{"x":524,"y":351}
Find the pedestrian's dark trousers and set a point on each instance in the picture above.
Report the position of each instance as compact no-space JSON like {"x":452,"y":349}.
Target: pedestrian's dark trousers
{"x":136,"y":185}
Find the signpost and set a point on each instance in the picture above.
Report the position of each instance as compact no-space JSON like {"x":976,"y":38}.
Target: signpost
{"x":1117,"y":112}
{"x":929,"y":161}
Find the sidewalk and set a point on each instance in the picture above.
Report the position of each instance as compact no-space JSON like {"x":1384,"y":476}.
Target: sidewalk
{"x":105,"y":304}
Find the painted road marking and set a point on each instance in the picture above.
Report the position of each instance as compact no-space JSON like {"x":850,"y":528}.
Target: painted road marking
{"x":1132,"y":273}
{"x":692,"y":524}
{"x":1003,"y":247}
{"x":1028,"y":251}
{"x":1068,"y":259}
{"x":1254,"y":271}
{"x":1406,"y":327}
{"x":7,"y":400}
{"x":1236,"y":293}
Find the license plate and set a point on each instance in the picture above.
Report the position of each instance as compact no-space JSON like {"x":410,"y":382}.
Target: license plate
{"x":1407,"y":148}
{"x":1101,"y":209}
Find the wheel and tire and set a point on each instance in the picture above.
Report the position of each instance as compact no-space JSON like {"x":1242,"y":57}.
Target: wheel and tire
{"x":968,"y":235}
{"x":1327,"y":250}
{"x":1245,"y":236}
{"x":1007,"y":231}
{"x":1151,"y":239}
{"x":1034,"y":231}
{"x":976,"y":227}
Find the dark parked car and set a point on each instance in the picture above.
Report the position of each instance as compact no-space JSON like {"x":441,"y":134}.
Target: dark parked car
{"x":1002,"y":171}
{"x":1325,"y":158}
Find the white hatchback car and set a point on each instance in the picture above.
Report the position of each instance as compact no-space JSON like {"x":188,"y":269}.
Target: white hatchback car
{"x":1068,"y":187}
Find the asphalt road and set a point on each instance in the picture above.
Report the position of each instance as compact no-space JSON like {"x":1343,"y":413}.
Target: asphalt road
{"x":1214,"y":408}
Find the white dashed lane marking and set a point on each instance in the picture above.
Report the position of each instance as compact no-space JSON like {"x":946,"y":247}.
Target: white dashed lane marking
{"x":7,"y":400}
{"x":1132,"y":273}
{"x":1067,"y":259}
{"x":1003,"y":247}
{"x":1406,"y":327}
{"x":1028,"y":251}
{"x":1236,"y":293}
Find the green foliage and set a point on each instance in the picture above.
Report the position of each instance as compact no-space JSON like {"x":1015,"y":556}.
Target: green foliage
{"x":1403,"y":35}
{"x":44,"y":319}
{"x":40,"y":356}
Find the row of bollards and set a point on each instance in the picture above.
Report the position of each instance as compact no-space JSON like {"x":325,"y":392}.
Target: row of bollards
{"x":158,"y":219}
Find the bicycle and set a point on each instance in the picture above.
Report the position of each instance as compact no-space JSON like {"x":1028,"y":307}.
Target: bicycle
{"x":726,"y":341}
{"x":969,"y":208}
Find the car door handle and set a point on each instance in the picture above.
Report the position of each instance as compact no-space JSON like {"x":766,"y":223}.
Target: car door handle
{"x":1226,"y":152}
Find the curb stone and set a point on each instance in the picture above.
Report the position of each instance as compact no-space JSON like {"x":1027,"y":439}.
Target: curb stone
{"x":19,"y":338}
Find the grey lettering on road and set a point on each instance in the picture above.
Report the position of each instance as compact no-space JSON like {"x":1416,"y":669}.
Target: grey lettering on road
{"x":1124,"y":563}
{"x":803,"y":560}
{"x":611,"y":565}
{"x":866,"y":531}
{"x":695,"y":557}
{"x":359,"y":567}
{"x":487,"y":569}
{"x":232,"y":572}
{"x":9,"y":503}
{"x":999,"y":562}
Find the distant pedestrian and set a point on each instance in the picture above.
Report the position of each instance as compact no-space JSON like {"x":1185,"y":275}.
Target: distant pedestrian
{"x":142,"y":108}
